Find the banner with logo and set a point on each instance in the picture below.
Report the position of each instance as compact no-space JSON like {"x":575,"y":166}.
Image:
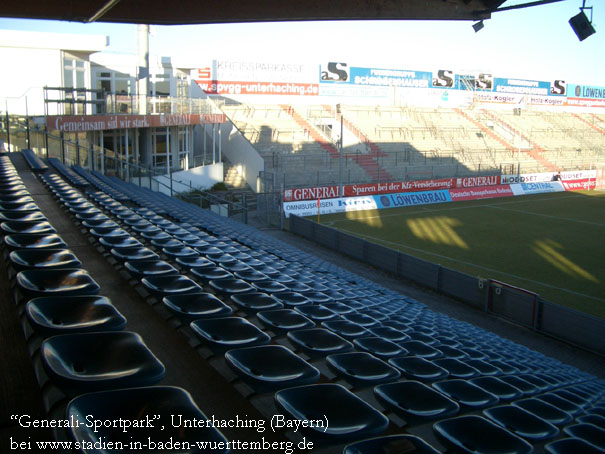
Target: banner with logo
{"x":537,"y":188}
{"x":486,"y":192}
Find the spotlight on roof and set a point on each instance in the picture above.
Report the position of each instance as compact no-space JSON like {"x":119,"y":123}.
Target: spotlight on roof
{"x":478,"y":26}
{"x":581,"y":25}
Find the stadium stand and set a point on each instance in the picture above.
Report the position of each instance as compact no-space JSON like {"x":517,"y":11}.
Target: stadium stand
{"x":300,"y":144}
{"x":382,"y":368}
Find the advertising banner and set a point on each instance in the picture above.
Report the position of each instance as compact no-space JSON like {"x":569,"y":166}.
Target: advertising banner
{"x":76,"y":123}
{"x":486,"y":192}
{"x":403,"y":199}
{"x":583,"y":184}
{"x":524,"y":87}
{"x":585,"y":96}
{"x":527,"y":178}
{"x":536,"y":188}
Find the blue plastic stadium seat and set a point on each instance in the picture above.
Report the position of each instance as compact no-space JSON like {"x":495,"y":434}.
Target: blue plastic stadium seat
{"x":390,"y":444}
{"x":34,"y":241}
{"x":206,"y":274}
{"x":73,"y":314}
{"x":561,"y":403}
{"x":345,"y":328}
{"x":456,"y":368}
{"x":53,"y":282}
{"x":588,"y":432}
{"x":571,"y":446}
{"x":388,"y":333}
{"x":319,"y":342}
{"x":466,"y":394}
{"x":522,"y":423}
{"x":171,"y":284}
{"x":108,"y":232}
{"x":26,"y":227}
{"x":255,"y":301}
{"x":474,"y":434}
{"x":119,"y":242}
{"x":86,"y":362}
{"x":225,"y":333}
{"x":362,"y":369}
{"x":380,"y":347}
{"x":15,"y":206}
{"x":46,"y":258}
{"x":131,"y":254}
{"x":544,"y":410}
{"x":230,"y":286}
{"x":250,"y":275}
{"x":597,"y":420}
{"x":527,"y":388}
{"x":348,"y":416}
{"x":270,"y":367}
{"x":145,"y":268}
{"x":292,"y":299}
{"x":283,"y":320}
{"x":193,"y":306}
{"x":269,"y":286}
{"x":317,"y":313}
{"x":137,"y":404}
{"x":318,"y":297}
{"x":194,"y":262}
{"x":418,"y":348}
{"x":416,"y":402}
{"x":497,"y":387}
{"x":417,"y":368}
{"x":18,"y":216}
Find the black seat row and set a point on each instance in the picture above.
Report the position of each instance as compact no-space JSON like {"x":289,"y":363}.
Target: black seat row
{"x":82,"y":356}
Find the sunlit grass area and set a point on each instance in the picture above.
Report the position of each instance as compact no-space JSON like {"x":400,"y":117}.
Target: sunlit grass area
{"x":551,"y":244}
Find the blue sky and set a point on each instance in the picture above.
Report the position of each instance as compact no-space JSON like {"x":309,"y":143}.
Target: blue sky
{"x":535,"y":43}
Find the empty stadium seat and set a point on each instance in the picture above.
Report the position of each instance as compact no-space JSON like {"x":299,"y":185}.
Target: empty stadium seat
{"x":361,"y":368}
{"x":348,"y":417}
{"x":319,"y":342}
{"x":522,"y":423}
{"x":270,"y":367}
{"x":255,"y":301}
{"x":86,"y":362}
{"x":416,"y":402}
{"x":417,"y":368}
{"x":66,"y":314}
{"x":225,"y":333}
{"x":45,"y":258}
{"x":193,"y":306}
{"x":588,"y":432}
{"x":390,"y":444}
{"x":170,"y":284}
{"x":26,"y":227}
{"x":53,"y":282}
{"x":497,"y":387}
{"x":474,"y":434}
{"x":544,"y":410}
{"x":344,"y":328}
{"x":380,"y":347}
{"x":144,"y":268}
{"x":230,"y":286}
{"x":571,"y":446}
{"x":466,"y":394}
{"x":137,"y":404}
{"x":131,"y":254}
{"x":34,"y":241}
{"x":283,"y":320}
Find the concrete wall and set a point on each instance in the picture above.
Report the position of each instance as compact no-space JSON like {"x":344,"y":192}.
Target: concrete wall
{"x":203,"y":177}
{"x":242,"y":154}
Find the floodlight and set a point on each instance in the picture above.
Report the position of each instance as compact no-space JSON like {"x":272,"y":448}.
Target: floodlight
{"x":581,"y":25}
{"x":478,"y":26}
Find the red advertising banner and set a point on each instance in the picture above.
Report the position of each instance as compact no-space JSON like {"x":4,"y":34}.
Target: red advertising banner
{"x":580,"y":185}
{"x":485,"y":192}
{"x":77,"y":123}
{"x":355,"y":190}
{"x":219,"y":87}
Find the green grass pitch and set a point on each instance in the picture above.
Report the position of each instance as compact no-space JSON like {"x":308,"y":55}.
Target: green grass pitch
{"x":551,"y":244}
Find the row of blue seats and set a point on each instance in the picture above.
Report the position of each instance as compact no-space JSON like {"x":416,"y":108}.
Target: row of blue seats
{"x":82,"y":356}
{"x":428,"y":348}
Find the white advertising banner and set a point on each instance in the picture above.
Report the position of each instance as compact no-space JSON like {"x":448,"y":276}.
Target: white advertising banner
{"x":537,"y":188}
